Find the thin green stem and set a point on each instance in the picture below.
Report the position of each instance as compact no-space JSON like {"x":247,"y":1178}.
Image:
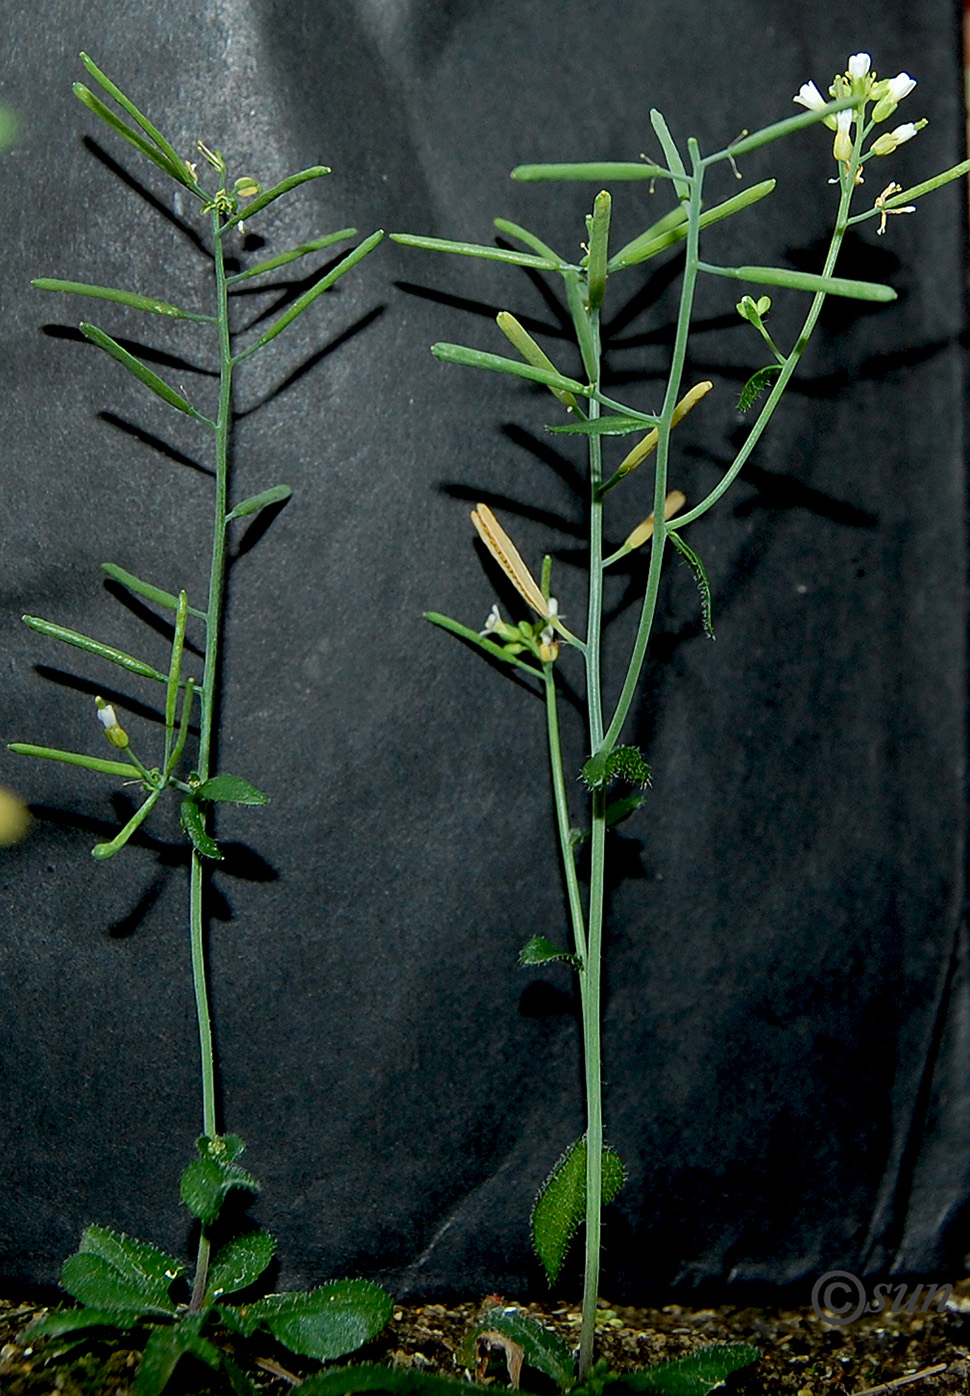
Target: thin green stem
{"x":214,"y":610}
{"x":576,"y":914}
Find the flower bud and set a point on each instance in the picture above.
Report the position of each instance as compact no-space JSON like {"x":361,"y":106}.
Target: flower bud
{"x":842,"y":145}
{"x":889,"y":140}
{"x":113,"y":729}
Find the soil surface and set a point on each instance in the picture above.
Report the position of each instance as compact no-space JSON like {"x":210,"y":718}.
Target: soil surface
{"x":923,"y":1353}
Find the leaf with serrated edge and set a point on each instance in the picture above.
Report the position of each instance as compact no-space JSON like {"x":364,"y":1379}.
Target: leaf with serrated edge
{"x":694,"y":1374}
{"x":232,"y":790}
{"x":327,"y":1322}
{"x":137,"y":1261}
{"x":701,"y":578}
{"x":560,"y":1206}
{"x":96,"y":1284}
{"x":399,"y":1381}
{"x":239,"y":1263}
{"x":540,"y":951}
{"x":207,"y":1181}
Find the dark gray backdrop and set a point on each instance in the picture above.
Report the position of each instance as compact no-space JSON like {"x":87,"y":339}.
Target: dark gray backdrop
{"x":787,"y":1015}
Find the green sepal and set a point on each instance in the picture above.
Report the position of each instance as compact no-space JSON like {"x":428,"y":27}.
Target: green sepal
{"x":541,"y":1347}
{"x":159,"y":157}
{"x":601,"y":171}
{"x":465,"y":632}
{"x":268,"y":196}
{"x":275,"y":495}
{"x":540,"y":951}
{"x":474,"y":249}
{"x":112,"y":1272}
{"x":230,"y":790}
{"x":317,"y":289}
{"x":478,"y":358}
{"x":327,"y":1322}
{"x":152,"y":593}
{"x":239,"y":1263}
{"x":84,"y":642}
{"x":622,"y":763}
{"x":399,"y":1381}
{"x":209,"y":1178}
{"x":108,"y":293}
{"x":135,"y":366}
{"x":560,"y":1207}
{"x":163,"y":1352}
{"x":75,"y":758}
{"x":284,"y":258}
{"x":701,"y":578}
{"x":694,"y":1374}
{"x":193,"y":822}
{"x":756,"y":385}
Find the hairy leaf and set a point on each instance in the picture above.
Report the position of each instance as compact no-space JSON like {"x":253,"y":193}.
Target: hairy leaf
{"x":327,"y":1322}
{"x":700,"y":576}
{"x":539,"y":951}
{"x":239,"y":1263}
{"x":622,"y":763}
{"x":163,"y":1352}
{"x":231,"y":790}
{"x":695,"y":1374}
{"x":207,"y":1182}
{"x":192,"y":821}
{"x":560,"y":1207}
{"x":756,"y":385}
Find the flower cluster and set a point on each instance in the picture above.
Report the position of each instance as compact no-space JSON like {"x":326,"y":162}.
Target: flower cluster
{"x":859,"y":80}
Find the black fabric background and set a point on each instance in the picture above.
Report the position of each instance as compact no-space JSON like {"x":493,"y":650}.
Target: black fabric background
{"x":788,"y":1011}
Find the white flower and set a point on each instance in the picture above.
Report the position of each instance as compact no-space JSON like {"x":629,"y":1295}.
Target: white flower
{"x":904,"y":133}
{"x":842,"y":146}
{"x":493,"y":622}
{"x":889,"y":140}
{"x":900,"y":86}
{"x":859,"y":66}
{"x":108,"y":716}
{"x":809,"y":96}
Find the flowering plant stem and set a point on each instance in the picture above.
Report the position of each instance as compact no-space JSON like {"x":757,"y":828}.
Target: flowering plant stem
{"x":589,"y":1174}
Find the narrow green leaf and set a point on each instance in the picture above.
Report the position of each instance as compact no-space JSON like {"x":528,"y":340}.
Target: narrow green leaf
{"x":317,"y":289}
{"x":327,"y":1322}
{"x":618,"y":810}
{"x":599,"y":237}
{"x":540,"y":248}
{"x":399,"y":1381}
{"x":75,"y":758}
{"x":84,"y":642}
{"x":64,"y":1321}
{"x":642,"y":248}
{"x":694,"y":1374}
{"x":174,"y":168}
{"x":239,"y":1263}
{"x":193,"y":822}
{"x":541,"y":1347}
{"x":207,"y":1182}
{"x":671,"y":153}
{"x":474,"y":249}
{"x":806,"y":281}
{"x":232,"y":790}
{"x":108,"y":293}
{"x":175,"y":666}
{"x":263,"y":500}
{"x":464,"y":632}
{"x":285,"y":258}
{"x":141,"y":371}
{"x":151,"y":131}
{"x":601,"y":171}
{"x":269,"y":196}
{"x":477,"y":358}
{"x":140,"y":588}
{"x":756,"y":385}
{"x":606,"y":426}
{"x":560,"y":1207}
{"x":540,"y":951}
{"x":700,"y":576}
